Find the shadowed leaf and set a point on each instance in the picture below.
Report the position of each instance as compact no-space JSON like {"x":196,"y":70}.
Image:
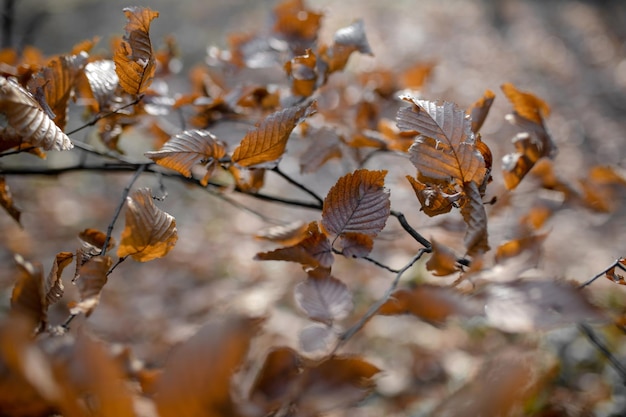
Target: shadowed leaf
{"x":479,"y":110}
{"x":615,"y":277}
{"x":53,"y":285}
{"x":355,"y":245}
{"x":28,"y":297}
{"x":357,"y":203}
{"x":26,"y":117}
{"x":196,"y":380}
{"x":134,"y":58}
{"x":302,"y":72}
{"x":345,"y":41}
{"x":280,"y":370}
{"x":325,"y":299}
{"x":187,"y":149}
{"x":266,"y":143}
{"x":6,"y":200}
{"x":92,"y":276}
{"x":324,"y":145}
{"x":248,"y":180}
{"x":149,"y":233}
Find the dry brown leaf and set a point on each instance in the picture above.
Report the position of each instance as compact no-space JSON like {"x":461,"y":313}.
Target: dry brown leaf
{"x":312,"y":251}
{"x":134,"y":59}
{"x":92,"y":276}
{"x":325,"y":299}
{"x":357,"y":203}
{"x":473,"y":211}
{"x":276,"y":378}
{"x":516,"y":165}
{"x":94,"y":240}
{"x":346,"y":40}
{"x":6,"y":200}
{"x":355,"y":245}
{"x":433,"y":198}
{"x":53,"y":285}
{"x":302,"y":72}
{"x":415,"y":76}
{"x":324,"y":145}
{"x":28,"y":296}
{"x":248,"y":180}
{"x":288,"y":234}
{"x":187,"y":149}
{"x":149,"y":233}
{"x":526,"y":105}
{"x":296,"y":23}
{"x":266,"y":143}
{"x":512,"y":248}
{"x":26,"y":117}
{"x":442,"y":260}
{"x":196,"y":380}
{"x":479,"y":110}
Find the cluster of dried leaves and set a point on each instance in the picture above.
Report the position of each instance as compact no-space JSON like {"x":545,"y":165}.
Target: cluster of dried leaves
{"x":46,"y":368}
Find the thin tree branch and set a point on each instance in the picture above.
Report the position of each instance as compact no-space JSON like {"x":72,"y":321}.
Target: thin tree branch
{"x":368,"y":259}
{"x":105,"y":115}
{"x":407,"y":227}
{"x":616,"y":264}
{"x":299,"y":185}
{"x":599,"y":344}
{"x":348,"y":334}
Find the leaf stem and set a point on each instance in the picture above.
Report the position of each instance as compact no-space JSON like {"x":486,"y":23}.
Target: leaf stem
{"x":616,"y":264}
{"x":105,"y":115}
{"x":303,"y":187}
{"x":407,"y":227}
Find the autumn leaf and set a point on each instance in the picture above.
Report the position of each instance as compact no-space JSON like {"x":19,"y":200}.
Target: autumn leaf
{"x":266,"y":143}
{"x":28,"y":297}
{"x":103,"y":82}
{"x":53,"y":285}
{"x":442,"y":260}
{"x":357,"y":203}
{"x":296,"y":23}
{"x":530,"y":305}
{"x":312,"y":251}
{"x":316,"y":337}
{"x":288,"y":234}
{"x":92,"y":276}
{"x":325,"y":299}
{"x":274,"y":381}
{"x":433,"y":304}
{"x":479,"y":110}
{"x":187,"y":149}
{"x":355,"y":245}
{"x":473,"y":211}
{"x":302,"y":72}
{"x":615,"y":277}
{"x":346,"y":40}
{"x":25,"y":116}
{"x":196,"y":380}
{"x":324,"y":144}
{"x":248,"y":180}
{"x":134,"y":58}
{"x":149,"y":233}
{"x":95,"y":239}
{"x":434,"y":199}
{"x":6,"y":200}
{"x":445,"y":148}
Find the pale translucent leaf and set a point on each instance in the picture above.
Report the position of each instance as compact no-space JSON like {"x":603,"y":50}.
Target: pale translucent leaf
{"x":316,"y":337}
{"x":92,"y":276}
{"x":324,"y":299}
{"x":103,"y":81}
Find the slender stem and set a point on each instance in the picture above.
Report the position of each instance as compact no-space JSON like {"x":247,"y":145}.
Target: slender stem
{"x":599,"y":344}
{"x":366,"y":258}
{"x":299,"y":185}
{"x":371,"y":312}
{"x":615,"y":264}
{"x":117,"y":213}
{"x":407,"y":227}
{"x":18,"y":151}
{"x":105,"y":115}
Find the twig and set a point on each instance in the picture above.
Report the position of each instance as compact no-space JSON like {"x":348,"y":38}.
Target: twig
{"x":299,"y":185}
{"x":599,"y":344}
{"x":407,"y":227}
{"x":368,"y":259}
{"x":105,"y":115}
{"x":348,"y":334}
{"x":125,"y":193}
{"x":17,"y":151}
{"x":616,"y":264}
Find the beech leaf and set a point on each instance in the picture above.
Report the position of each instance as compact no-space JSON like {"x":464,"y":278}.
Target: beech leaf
{"x":473,"y":211}
{"x":134,"y":59}
{"x":445,"y":148}
{"x":196,"y":380}
{"x":316,"y":337}
{"x":28,"y":295}
{"x":325,"y":299}
{"x":53,"y":285}
{"x":281,"y":368}
{"x":27,"y":118}
{"x":187,"y":149}
{"x":266,"y":143}
{"x":149,"y":233}
{"x":103,"y":81}
{"x":6,"y":200}
{"x":433,"y":199}
{"x":357,"y":203}
{"x":442,"y":260}
{"x":615,"y":277}
{"x":92,"y":276}
{"x":479,"y":110}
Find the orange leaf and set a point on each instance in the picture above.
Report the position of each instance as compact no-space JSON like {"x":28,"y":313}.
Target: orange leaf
{"x":53,"y":286}
{"x":514,"y":247}
{"x":248,"y":180}
{"x":445,"y":148}
{"x":28,"y":295}
{"x":442,"y":261}
{"x":187,"y":149}
{"x":479,"y":110}
{"x":273,"y":383}
{"x":196,"y":380}
{"x":357,"y":203}
{"x":94,"y":240}
{"x":355,"y":245}
{"x":266,"y":143}
{"x":295,"y":22}
{"x":415,"y":77}
{"x":312,"y":251}
{"x":92,"y":276}
{"x":345,"y":41}
{"x":325,"y":299}
{"x":433,"y":198}
{"x":134,"y":58}
{"x":302,"y":73}
{"x":6,"y":200}
{"x":27,"y":118}
{"x":149,"y":233}
{"x":526,"y":105}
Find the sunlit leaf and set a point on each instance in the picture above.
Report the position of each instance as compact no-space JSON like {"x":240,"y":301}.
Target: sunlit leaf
{"x":526,"y":306}
{"x":6,"y":200}
{"x":187,"y":149}
{"x":266,"y":143}
{"x":288,"y":234}
{"x":433,"y":199}
{"x":516,"y":165}
{"x":445,"y":148}
{"x":345,"y":41}
{"x":526,"y":105}
{"x":442,"y":260}
{"x":433,"y":304}
{"x":357,"y":203}
{"x":196,"y":380}
{"x":27,"y":118}
{"x":149,"y":233}
{"x":295,"y":22}
{"x":312,"y":251}
{"x":92,"y":276}
{"x":281,"y":369}
{"x":302,"y":72}
{"x":415,"y":76}
{"x":134,"y":58}
{"x":94,"y":239}
{"x":325,"y":299}
{"x":479,"y":110}
{"x":473,"y":211}
{"x":103,"y":81}
{"x":514,"y":247}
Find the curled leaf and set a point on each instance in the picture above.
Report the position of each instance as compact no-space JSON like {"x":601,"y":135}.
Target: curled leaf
{"x":27,"y":118}
{"x":149,"y":233}
{"x":92,"y":276}
{"x":479,"y":110}
{"x":134,"y":58}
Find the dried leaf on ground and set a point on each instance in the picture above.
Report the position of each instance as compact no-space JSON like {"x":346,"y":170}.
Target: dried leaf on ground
{"x":266,"y":143}
{"x":526,"y":306}
{"x":134,"y":59}
{"x":7,"y":202}
{"x":25,"y":116}
{"x":187,"y":149}
{"x":357,"y":203}
{"x":325,"y":299}
{"x":150,"y":232}
{"x":312,"y":251}
{"x":196,"y":380}
{"x":433,"y":304}
{"x":92,"y":276}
